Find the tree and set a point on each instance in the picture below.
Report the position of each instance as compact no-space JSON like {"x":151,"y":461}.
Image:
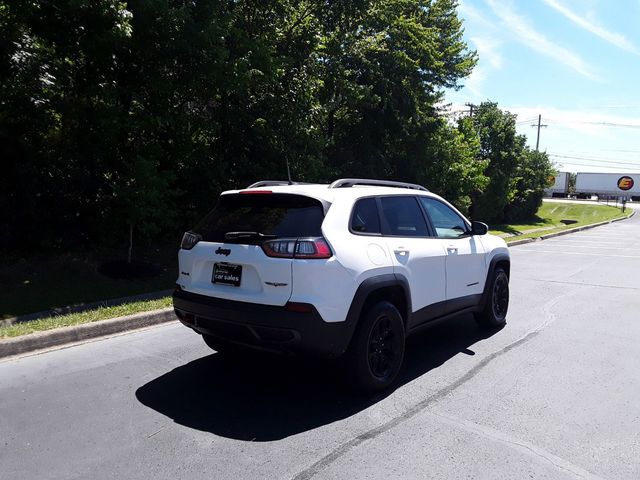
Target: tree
{"x":122,"y":117}
{"x":531,"y":178}
{"x":456,"y":171}
{"x":501,"y":148}
{"x":384,"y":67}
{"x":57,"y":115}
{"x":517,"y":175}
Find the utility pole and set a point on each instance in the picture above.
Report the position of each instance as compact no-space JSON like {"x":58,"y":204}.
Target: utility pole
{"x":471,"y":107}
{"x":539,"y":125}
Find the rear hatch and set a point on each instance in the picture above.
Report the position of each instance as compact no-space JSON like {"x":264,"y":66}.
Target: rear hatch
{"x":228,"y":259}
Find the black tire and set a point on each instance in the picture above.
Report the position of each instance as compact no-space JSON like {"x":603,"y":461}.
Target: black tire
{"x":377,"y":348}
{"x":496,"y":306}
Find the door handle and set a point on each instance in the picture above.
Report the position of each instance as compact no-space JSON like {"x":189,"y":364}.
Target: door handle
{"x":451,"y":250}
{"x":401,"y":251}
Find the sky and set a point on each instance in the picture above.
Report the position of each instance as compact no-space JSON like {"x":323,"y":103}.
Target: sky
{"x":574,"y":62}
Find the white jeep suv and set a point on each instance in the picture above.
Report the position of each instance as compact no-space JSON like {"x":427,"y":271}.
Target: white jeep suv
{"x":347,"y":269}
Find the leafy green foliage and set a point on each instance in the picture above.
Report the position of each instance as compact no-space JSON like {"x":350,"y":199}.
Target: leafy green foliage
{"x":458,"y":172}
{"x":517,"y":175}
{"x":531,"y":178}
{"x":125,"y":119}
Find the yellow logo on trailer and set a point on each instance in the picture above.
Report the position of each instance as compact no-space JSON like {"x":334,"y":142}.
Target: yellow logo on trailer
{"x":625,"y":183}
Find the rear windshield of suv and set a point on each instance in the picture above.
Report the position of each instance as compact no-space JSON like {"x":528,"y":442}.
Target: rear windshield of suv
{"x":280,"y":214}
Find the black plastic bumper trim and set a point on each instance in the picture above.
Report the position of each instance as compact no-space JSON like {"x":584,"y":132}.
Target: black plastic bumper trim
{"x":262,"y":326}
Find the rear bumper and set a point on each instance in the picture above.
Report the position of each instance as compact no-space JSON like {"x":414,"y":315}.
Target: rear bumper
{"x":262,"y":326}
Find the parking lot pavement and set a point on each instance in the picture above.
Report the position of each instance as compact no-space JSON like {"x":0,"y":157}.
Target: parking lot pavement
{"x":606,"y":256}
{"x":552,"y":395}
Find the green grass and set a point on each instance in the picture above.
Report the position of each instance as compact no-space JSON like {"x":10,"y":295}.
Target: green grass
{"x":82,"y":317}
{"x":42,"y":282}
{"x":548,"y":219}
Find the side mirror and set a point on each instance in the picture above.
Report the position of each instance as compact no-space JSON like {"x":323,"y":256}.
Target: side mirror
{"x":479,"y":228}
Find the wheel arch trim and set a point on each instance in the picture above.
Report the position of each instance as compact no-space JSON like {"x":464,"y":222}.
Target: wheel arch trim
{"x":373,"y":284}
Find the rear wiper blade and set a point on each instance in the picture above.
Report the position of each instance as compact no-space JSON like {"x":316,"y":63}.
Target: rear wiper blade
{"x":247,"y":236}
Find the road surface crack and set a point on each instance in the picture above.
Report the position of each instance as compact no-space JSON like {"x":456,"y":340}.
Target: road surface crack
{"x":517,"y":444}
{"x":343,"y":449}
{"x":582,"y":284}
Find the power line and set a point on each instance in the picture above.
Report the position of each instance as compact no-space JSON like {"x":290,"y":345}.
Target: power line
{"x":453,"y":113}
{"x":600,"y":166}
{"x":603,"y":124}
{"x":611,"y":124}
{"x":596,"y":107}
{"x":584,"y":107}
{"x":583,"y":157}
{"x":602,"y":161}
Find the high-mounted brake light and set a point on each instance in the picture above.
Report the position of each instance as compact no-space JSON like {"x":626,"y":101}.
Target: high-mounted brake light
{"x":307,"y":248}
{"x":255,"y":192}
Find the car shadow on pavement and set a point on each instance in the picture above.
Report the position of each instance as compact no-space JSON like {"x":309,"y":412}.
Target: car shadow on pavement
{"x":267,"y":398}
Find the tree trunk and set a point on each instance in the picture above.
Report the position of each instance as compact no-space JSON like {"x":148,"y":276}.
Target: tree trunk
{"x":130,"y":242}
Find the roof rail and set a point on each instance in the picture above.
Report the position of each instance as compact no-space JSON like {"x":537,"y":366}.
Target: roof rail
{"x":350,"y":182}
{"x":270,"y":183}
{"x":275,"y":183}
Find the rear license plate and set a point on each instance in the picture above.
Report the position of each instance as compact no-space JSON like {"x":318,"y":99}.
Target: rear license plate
{"x":227,"y":274}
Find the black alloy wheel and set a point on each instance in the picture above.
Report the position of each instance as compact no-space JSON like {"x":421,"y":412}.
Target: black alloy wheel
{"x":377,"y":348}
{"x":494,"y":315}
{"x":381,"y":348}
{"x":500,"y":296}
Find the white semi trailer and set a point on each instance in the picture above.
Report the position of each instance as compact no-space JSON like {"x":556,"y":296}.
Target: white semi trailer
{"x":608,"y":184}
{"x":560,"y":187}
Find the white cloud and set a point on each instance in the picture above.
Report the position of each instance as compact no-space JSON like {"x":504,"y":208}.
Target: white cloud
{"x":527,"y":35}
{"x":587,"y":122}
{"x":473,"y":14}
{"x":591,"y":26}
{"x":489,"y":50}
{"x":475,"y":82}
{"x":490,"y":59}
{"x":486,"y":46}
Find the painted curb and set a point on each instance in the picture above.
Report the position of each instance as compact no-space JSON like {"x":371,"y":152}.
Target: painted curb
{"x":86,"y":331}
{"x":566,"y":232}
{"x":87,"y":306}
{"x":522,"y":242}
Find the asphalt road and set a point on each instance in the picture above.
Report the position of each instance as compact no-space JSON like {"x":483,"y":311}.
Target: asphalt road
{"x":555,"y":394}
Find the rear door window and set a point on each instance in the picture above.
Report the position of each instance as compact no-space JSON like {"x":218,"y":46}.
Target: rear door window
{"x":404,"y":217}
{"x":278,"y":214}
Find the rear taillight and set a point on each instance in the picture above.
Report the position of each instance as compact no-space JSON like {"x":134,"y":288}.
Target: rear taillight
{"x":189,"y":240}
{"x":313,"y":248}
{"x":309,"y":248}
{"x":279,"y":248}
